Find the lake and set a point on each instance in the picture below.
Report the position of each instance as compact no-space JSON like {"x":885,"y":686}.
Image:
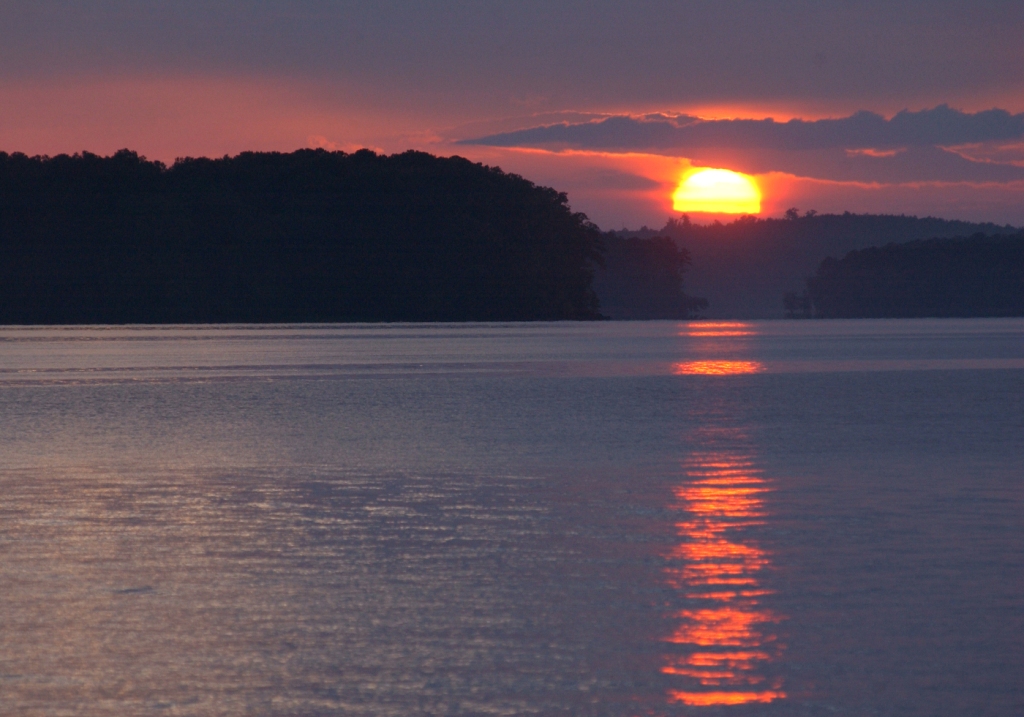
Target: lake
{"x":612,"y":518}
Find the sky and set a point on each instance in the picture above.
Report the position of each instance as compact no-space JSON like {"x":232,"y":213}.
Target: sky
{"x":892,"y":107}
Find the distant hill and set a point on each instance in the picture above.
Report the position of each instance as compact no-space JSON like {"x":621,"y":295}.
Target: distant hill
{"x":643,"y":279}
{"x":745,"y":267}
{"x":269,"y":237}
{"x":977,"y":276}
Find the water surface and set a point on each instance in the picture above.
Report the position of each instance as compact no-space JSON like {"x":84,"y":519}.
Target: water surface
{"x":782,"y":518}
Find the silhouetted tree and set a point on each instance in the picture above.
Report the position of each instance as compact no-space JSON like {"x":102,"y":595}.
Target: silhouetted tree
{"x":797,"y":306}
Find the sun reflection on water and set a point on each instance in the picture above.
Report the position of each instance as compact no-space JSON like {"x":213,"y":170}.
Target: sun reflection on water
{"x":716,"y":368}
{"x":717,"y":337}
{"x":726,"y":639}
{"x":718,"y":328}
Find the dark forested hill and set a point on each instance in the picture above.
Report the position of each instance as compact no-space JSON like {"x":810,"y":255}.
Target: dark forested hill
{"x":744,"y":267}
{"x":978,"y":276}
{"x":268,"y":237}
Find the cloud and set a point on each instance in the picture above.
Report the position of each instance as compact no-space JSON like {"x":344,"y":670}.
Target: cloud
{"x":908,"y":165}
{"x":939,"y":126}
{"x":614,"y":179}
{"x":933,"y":145}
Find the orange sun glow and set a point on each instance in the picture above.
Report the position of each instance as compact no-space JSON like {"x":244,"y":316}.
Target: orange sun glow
{"x":717,"y":191}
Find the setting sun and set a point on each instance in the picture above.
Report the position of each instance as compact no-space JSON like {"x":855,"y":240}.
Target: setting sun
{"x":717,"y":191}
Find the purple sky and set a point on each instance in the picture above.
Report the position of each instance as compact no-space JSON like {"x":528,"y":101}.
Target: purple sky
{"x":878,"y":106}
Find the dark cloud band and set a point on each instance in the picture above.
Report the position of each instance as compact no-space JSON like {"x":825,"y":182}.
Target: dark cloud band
{"x":940,"y":126}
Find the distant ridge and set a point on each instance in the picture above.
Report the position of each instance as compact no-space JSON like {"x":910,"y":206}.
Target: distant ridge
{"x":745,"y":267}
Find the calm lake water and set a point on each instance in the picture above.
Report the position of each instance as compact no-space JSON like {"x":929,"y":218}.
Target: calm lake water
{"x":652,"y":518}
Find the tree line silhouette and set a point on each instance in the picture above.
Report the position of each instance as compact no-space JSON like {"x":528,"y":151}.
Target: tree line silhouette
{"x":744,"y":266}
{"x":976,"y":276}
{"x":270,"y":237}
{"x":329,"y":236}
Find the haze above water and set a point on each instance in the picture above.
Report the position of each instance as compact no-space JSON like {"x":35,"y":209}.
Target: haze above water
{"x":781,"y":518}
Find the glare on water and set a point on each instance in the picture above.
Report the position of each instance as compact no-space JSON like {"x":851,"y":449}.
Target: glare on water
{"x":727,"y":636}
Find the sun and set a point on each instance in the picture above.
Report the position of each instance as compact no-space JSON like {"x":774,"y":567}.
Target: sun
{"x":717,"y":191}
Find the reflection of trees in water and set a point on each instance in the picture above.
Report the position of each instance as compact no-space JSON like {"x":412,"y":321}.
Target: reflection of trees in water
{"x":722,"y":643}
